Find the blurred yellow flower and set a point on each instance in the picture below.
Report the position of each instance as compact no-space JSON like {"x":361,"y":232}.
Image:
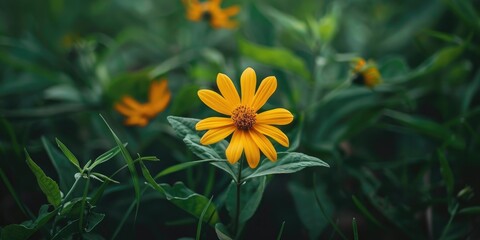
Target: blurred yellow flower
{"x":211,"y":11}
{"x":139,"y":114}
{"x":249,"y":128}
{"x":366,"y":73}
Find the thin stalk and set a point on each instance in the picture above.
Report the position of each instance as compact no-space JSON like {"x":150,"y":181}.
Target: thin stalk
{"x":10,"y":188}
{"x":237,"y":207}
{"x":77,"y":180}
{"x":84,"y":200}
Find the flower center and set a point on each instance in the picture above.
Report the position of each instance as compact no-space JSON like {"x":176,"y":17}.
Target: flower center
{"x":244,"y":117}
{"x":207,"y":16}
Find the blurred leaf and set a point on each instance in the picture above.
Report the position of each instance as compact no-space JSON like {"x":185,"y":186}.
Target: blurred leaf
{"x":48,"y":186}
{"x":274,"y":56}
{"x":307,"y":209}
{"x":438,"y":61}
{"x":17,"y":232}
{"x":365,"y":211}
{"x":106,"y":156}
{"x":130,"y":164}
{"x":287,"y":162}
{"x":446,"y":172}
{"x":26,"y":229}
{"x":222,"y":232}
{"x":427,"y":127}
{"x":63,"y":93}
{"x":288,"y":22}
{"x":466,"y":11}
{"x":251,"y":193}
{"x":185,"y":100}
{"x":393,"y":68}
{"x":172,"y":63}
{"x":470,"y":92}
{"x":68,"y":154}
{"x":475,"y":210}
{"x":183,"y":197}
{"x":93,"y":220}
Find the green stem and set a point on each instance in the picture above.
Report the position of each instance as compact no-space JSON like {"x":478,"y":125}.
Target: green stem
{"x":237,"y":207}
{"x":84,"y":200}
{"x":77,"y":180}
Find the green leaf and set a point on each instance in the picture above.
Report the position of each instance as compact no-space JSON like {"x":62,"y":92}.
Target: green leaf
{"x":130,"y":164}
{"x":228,"y":168}
{"x":183,"y":126}
{"x":105,"y":157}
{"x":186,"y":100}
{"x":446,"y":172}
{"x":427,"y":127}
{"x":103,"y":178}
{"x":68,"y":230}
{"x":355,"y":230}
{"x":287,"y":162}
{"x":17,"y":232}
{"x":307,"y":209}
{"x":288,"y":22}
{"x":280,"y":233}
{"x":200,"y":220}
{"x":222,"y":232}
{"x":251,"y":193}
{"x":274,"y":56}
{"x":183,"y":197}
{"x":365,"y":211}
{"x":179,"y":167}
{"x":28,"y":228}
{"x":202,"y":151}
{"x":475,"y":210}
{"x":69,"y":154}
{"x":438,"y":61}
{"x":65,"y":170}
{"x":93,"y":220}
{"x":48,"y":186}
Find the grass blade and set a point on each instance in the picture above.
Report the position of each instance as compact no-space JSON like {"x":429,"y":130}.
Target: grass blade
{"x":355,"y":231}
{"x":200,"y":220}
{"x":281,"y":231}
{"x":131,"y":166}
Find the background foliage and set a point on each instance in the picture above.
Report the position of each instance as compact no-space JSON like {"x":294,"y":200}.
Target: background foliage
{"x":403,"y":156}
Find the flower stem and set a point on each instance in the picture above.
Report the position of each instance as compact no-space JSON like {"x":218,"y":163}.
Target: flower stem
{"x":237,"y":211}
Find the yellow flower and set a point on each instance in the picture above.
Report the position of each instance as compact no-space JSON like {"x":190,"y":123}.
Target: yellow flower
{"x":139,"y":114}
{"x":211,"y":11}
{"x":366,"y":73}
{"x":249,"y":128}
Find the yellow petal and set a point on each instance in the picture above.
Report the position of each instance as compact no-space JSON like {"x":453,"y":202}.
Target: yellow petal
{"x":235,"y":148}
{"x":132,"y":103}
{"x":126,"y":111}
{"x":231,"y":11}
{"x":217,"y":134}
{"x":213,"y":122}
{"x":277,"y":116}
{"x":265,"y":90}
{"x":248,"y":84}
{"x":158,"y":105}
{"x":264,"y":144}
{"x":273,"y":132}
{"x":228,"y":90}
{"x":136,"y":121}
{"x":252,"y":152}
{"x":158,"y":90}
{"x":215,"y":101}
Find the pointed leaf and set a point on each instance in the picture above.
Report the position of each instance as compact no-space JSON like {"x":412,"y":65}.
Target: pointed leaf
{"x":105,"y":156}
{"x":48,"y":186}
{"x":222,"y":232}
{"x":68,"y":154}
{"x":130,"y":164}
{"x":274,"y":56}
{"x":288,"y":162}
